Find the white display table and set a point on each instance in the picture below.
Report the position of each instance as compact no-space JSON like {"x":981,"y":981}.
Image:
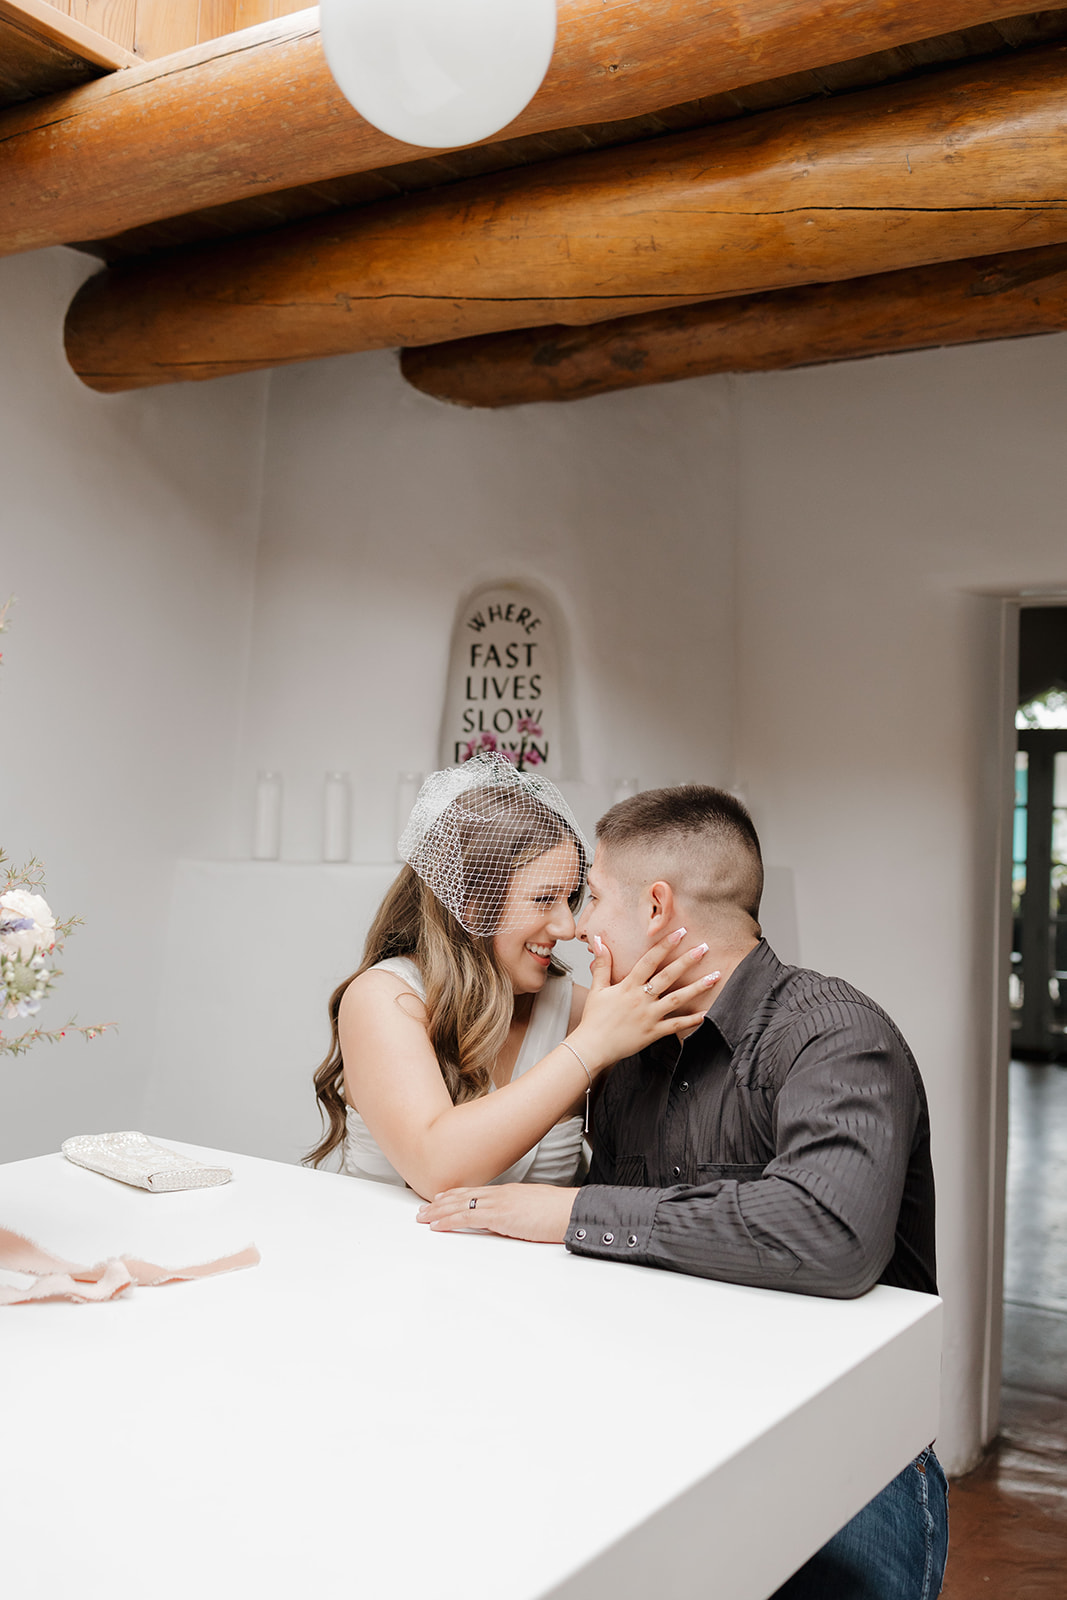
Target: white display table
{"x":382,"y":1412}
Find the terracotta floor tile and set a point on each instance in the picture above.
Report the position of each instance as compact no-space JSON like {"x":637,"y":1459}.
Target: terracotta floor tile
{"x":1008,"y":1518}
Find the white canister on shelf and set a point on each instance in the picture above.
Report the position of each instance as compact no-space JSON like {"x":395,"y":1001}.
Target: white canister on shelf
{"x":408,"y":785}
{"x":337,"y":817}
{"x":267,"y":823}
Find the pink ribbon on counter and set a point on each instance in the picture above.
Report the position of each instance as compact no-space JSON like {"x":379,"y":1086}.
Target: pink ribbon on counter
{"x":56,"y":1279}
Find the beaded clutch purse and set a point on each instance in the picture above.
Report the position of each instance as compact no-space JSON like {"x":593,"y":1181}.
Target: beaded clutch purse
{"x":133,"y":1158}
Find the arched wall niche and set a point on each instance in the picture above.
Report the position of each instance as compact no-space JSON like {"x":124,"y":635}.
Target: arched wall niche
{"x":508,"y":684}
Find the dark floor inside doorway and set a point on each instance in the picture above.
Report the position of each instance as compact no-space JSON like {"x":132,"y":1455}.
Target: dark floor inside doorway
{"x":1009,"y":1516}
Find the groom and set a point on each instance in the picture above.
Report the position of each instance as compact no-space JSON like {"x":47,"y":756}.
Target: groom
{"x":784,"y":1143}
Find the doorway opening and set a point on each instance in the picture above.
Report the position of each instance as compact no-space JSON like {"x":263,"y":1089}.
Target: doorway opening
{"x":1035,"y":1242}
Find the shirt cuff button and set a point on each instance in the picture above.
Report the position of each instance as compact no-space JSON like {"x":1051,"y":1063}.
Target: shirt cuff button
{"x":609,"y":1238}
{"x":632,"y":1239}
{"x":579,"y":1233}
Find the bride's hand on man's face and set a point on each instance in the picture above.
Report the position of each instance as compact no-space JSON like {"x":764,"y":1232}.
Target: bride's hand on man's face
{"x":650,"y":1002}
{"x":536,"y":1211}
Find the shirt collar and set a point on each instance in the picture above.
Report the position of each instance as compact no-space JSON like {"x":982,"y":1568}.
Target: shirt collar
{"x":744,"y":992}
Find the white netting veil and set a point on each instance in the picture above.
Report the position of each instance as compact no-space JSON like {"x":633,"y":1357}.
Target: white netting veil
{"x":494,"y":843}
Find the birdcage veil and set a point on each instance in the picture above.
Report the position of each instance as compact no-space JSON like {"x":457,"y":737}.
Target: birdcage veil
{"x":477,"y":836}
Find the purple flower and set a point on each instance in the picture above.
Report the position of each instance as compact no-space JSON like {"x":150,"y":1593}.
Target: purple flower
{"x":489,"y":741}
{"x":470,"y":750}
{"x":528,"y":725}
{"x":533,"y":757}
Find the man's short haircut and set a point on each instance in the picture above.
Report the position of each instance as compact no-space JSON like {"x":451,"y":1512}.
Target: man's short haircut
{"x":699,"y":839}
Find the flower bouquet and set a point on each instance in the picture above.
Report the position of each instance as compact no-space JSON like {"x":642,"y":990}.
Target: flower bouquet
{"x":30,"y":937}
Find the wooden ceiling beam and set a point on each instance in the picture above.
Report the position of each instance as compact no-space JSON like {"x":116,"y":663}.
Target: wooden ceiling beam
{"x":1007,"y":296}
{"x":258,"y":111}
{"x":957,"y":164}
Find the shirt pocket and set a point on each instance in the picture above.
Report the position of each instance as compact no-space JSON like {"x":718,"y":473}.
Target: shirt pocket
{"x":631,"y":1172}
{"x":740,"y":1172}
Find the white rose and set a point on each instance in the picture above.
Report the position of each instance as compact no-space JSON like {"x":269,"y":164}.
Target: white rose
{"x":20,"y":905}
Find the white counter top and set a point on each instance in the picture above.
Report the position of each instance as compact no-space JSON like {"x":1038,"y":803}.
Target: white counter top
{"x":382,"y":1412}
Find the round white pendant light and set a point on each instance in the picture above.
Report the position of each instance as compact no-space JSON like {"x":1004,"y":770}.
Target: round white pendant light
{"x":438,"y":72}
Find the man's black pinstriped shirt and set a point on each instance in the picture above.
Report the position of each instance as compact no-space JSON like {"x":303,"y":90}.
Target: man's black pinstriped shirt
{"x":784,"y":1144}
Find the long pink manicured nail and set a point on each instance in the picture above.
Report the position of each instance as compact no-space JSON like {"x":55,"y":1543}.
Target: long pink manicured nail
{"x":598,"y":941}
{"x":676,"y":937}
{"x":712,"y":977}
{"x":699,"y":951}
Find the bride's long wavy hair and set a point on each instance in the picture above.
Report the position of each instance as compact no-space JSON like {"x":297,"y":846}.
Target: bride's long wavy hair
{"x":469,"y":998}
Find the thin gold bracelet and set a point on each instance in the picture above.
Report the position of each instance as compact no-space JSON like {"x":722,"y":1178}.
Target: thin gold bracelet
{"x":588,"y":1074}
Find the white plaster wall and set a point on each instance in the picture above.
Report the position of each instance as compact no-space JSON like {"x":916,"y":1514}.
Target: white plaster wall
{"x":383,"y":509}
{"x":878,"y":502}
{"x":127,"y":532}
{"x":234,"y":1071}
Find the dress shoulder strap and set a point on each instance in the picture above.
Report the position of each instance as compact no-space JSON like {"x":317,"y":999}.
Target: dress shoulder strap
{"x":549,"y":1023}
{"x":403,"y":967}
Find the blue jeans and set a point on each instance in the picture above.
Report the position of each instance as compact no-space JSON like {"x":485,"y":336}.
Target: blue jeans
{"x":894,"y":1549}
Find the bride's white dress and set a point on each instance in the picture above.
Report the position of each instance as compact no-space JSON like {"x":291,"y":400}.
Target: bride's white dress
{"x":555,"y":1159}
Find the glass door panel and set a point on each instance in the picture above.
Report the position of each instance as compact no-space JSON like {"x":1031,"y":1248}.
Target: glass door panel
{"x":1018,"y":886}
{"x":1058,"y":896}
{"x":1038,"y":981}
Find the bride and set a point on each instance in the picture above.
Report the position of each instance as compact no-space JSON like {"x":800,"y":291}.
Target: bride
{"x":462,"y":1052}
